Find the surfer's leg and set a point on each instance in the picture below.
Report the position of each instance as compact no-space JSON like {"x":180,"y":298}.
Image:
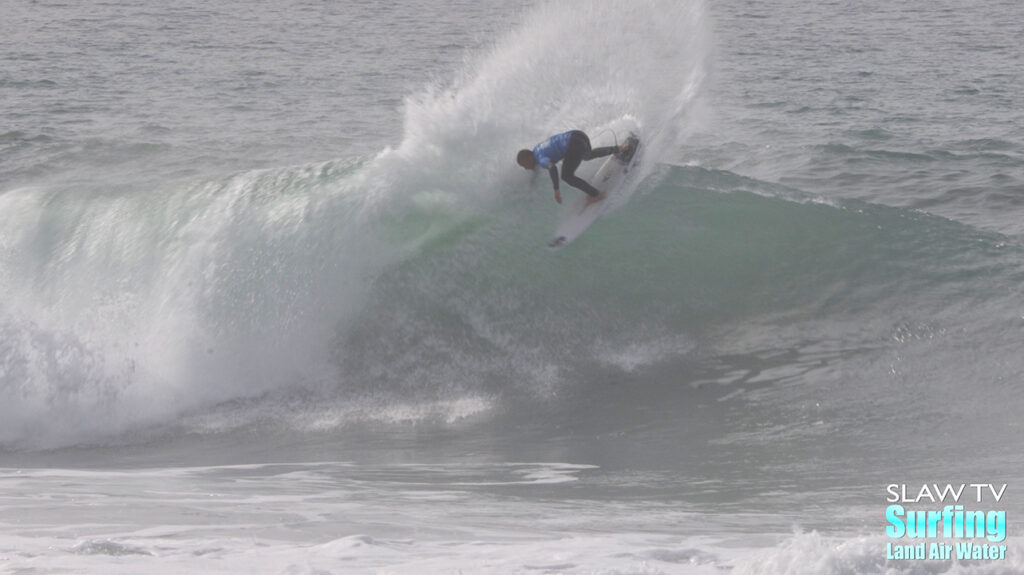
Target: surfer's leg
{"x":579,"y":183}
{"x":601,"y":152}
{"x":579,"y":147}
{"x":623,"y":150}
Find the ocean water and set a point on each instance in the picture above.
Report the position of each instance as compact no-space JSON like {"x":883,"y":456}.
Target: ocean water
{"x":275,"y":298}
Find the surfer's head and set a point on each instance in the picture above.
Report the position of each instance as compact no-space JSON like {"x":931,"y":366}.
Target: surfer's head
{"x":525,"y":159}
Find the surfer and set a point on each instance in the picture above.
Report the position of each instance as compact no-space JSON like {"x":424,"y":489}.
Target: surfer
{"x":573,"y":147}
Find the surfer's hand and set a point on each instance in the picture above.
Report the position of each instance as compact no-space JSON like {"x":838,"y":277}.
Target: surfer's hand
{"x":558,"y":196}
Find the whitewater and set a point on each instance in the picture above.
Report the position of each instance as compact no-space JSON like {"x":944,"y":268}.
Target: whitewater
{"x":274,"y":296}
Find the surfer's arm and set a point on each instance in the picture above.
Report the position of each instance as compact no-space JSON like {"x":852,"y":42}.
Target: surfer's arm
{"x":553,"y":172}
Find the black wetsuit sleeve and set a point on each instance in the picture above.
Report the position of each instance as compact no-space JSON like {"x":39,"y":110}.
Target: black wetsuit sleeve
{"x":553,"y":171}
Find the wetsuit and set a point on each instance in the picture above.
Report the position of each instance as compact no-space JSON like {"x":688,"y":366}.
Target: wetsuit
{"x":573,"y":147}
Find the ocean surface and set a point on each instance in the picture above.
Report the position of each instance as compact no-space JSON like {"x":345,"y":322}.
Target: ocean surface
{"x":275,"y":298}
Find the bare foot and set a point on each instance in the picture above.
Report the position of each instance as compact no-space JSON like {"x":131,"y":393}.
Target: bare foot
{"x":595,"y":199}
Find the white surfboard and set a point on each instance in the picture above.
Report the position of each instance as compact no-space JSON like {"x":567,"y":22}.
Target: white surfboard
{"x":609,"y":179}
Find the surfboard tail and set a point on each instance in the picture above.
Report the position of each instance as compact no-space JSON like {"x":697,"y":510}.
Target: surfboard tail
{"x":632,"y":143}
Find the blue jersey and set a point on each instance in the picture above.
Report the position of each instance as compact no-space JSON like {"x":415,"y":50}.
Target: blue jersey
{"x":552,"y":151}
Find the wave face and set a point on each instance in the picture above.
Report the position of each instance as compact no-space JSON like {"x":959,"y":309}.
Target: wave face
{"x":271,"y":298}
